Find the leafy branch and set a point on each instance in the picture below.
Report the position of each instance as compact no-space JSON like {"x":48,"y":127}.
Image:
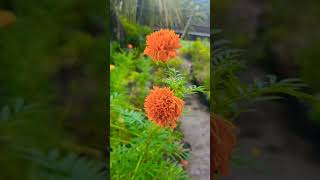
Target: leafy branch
{"x":179,"y":85}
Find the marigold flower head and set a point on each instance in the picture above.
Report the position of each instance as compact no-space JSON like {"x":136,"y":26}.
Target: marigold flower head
{"x":163,"y":108}
{"x":112,"y":67}
{"x":130,"y":46}
{"x":223,"y":141}
{"x":162,"y":45}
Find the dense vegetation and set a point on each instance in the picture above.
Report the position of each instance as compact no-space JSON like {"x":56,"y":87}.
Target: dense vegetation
{"x":139,"y":146}
{"x":280,"y":41}
{"x":232,"y":96}
{"x":52,"y":115}
{"x":198,"y":52}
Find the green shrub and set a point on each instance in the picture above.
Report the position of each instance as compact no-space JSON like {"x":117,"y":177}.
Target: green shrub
{"x":199,"y":54}
{"x":135,"y":34}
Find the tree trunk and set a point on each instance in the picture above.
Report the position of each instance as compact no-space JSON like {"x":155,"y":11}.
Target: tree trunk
{"x":139,"y":18}
{"x":117,"y":30}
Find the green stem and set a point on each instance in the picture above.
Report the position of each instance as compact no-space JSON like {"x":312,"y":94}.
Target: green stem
{"x":123,"y":129}
{"x":167,"y":66}
{"x":145,"y":151}
{"x":120,"y":140}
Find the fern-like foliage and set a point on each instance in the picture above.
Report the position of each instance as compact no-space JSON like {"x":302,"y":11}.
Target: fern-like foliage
{"x":46,"y":166}
{"x":230,"y":95}
{"x":155,"y":153}
{"x":53,"y":165}
{"x":179,"y":85}
{"x":18,"y":106}
{"x":141,"y":149}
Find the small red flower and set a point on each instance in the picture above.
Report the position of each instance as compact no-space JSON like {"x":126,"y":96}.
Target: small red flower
{"x":163,"y":108}
{"x":184,"y":164}
{"x":162,"y":45}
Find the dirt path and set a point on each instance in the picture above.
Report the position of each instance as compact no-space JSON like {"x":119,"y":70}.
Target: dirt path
{"x":196,"y":129}
{"x":275,"y":153}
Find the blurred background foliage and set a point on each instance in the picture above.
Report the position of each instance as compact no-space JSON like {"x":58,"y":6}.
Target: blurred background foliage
{"x":53,"y":59}
{"x":163,"y":13}
{"x":182,"y":15}
{"x":280,"y":40}
{"x":232,"y":95}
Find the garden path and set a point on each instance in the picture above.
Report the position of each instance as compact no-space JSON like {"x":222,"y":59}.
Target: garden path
{"x":196,"y":129}
{"x":269,"y":145}
{"x":270,"y":151}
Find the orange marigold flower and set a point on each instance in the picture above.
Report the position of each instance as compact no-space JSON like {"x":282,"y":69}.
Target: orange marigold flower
{"x":223,"y":140}
{"x":130,"y":46}
{"x":163,"y":108}
{"x":162,"y":45}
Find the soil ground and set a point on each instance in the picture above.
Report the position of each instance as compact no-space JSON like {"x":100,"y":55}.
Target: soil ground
{"x":272,"y":151}
{"x":196,"y":129}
